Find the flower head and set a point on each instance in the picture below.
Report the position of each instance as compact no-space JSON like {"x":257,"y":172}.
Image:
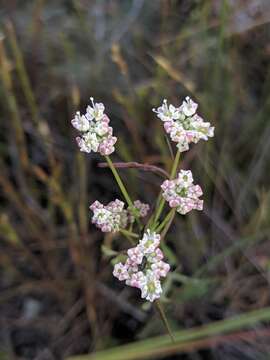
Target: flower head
{"x":144,"y":267}
{"x":141,"y":208}
{"x":113,"y":216}
{"x":182,"y":194}
{"x":96,"y":134}
{"x":110,"y":217}
{"x":183,"y":124}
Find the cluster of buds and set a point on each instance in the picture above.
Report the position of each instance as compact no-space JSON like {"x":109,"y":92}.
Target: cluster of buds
{"x":144,"y":267}
{"x":113,"y":216}
{"x":183,"y":124}
{"x":141,"y":209}
{"x":96,"y":134}
{"x":182,"y":194}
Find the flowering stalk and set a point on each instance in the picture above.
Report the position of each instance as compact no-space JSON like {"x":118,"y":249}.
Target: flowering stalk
{"x":144,"y":265}
{"x":165,"y":221}
{"x":123,"y":189}
{"x":168,"y":224}
{"x":129,"y":233}
{"x":130,"y":239}
{"x":172,"y":175}
{"x":164,"y":319}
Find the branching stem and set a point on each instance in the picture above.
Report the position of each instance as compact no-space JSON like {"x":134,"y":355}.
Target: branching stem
{"x":172,"y":175}
{"x":123,"y":189}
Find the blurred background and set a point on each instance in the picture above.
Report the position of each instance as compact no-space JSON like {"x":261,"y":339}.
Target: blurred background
{"x":58,"y":296}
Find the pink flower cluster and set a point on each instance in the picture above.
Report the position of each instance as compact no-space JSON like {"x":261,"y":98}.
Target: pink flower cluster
{"x":96,"y":134}
{"x":182,"y":194}
{"x":113,"y":216}
{"x":183,"y":124}
{"x":142,"y":210}
{"x":144,"y":267}
{"x":110,"y":217}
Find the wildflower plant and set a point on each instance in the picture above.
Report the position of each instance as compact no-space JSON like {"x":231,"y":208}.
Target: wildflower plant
{"x":144,"y":266}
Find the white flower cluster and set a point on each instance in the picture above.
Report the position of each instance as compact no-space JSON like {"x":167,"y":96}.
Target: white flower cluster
{"x":113,"y":216}
{"x":183,"y":124}
{"x":182,"y":194}
{"x":96,"y":134}
{"x":144,"y":267}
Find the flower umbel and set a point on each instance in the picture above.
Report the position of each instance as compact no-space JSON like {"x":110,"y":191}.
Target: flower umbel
{"x":110,"y":217}
{"x":182,"y":194}
{"x":96,"y":134}
{"x":141,"y":208}
{"x":113,"y":216}
{"x":144,"y":267}
{"x":183,"y":124}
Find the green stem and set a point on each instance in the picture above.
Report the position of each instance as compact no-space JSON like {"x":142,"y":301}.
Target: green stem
{"x":168,"y":225}
{"x":132,"y":242}
{"x":150,"y":224}
{"x":165,"y":221}
{"x":129,"y":233}
{"x":164,"y":319}
{"x":123,"y":189}
{"x":172,"y":175}
{"x":175,"y":164}
{"x":159,"y":210}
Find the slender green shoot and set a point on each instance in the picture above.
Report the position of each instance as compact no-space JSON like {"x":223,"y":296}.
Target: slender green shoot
{"x":123,"y":189}
{"x":165,"y":221}
{"x":164,"y":319}
{"x":172,"y":175}
{"x":129,"y":233}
